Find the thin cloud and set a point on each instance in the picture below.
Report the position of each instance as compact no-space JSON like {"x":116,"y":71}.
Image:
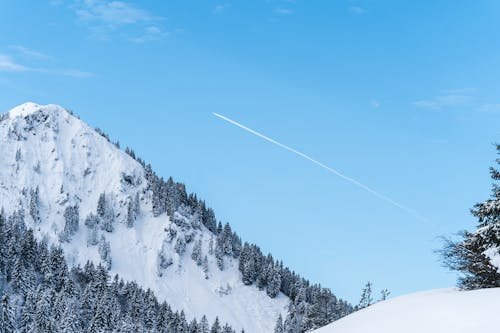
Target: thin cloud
{"x":112,"y":13}
{"x":459,"y":98}
{"x":443,"y":101}
{"x":7,"y":64}
{"x":489,"y":108}
{"x":220,"y":8}
{"x":357,"y":10}
{"x":283,"y":11}
{"x":103,"y":18}
{"x":30,"y":54}
{"x":150,"y":34}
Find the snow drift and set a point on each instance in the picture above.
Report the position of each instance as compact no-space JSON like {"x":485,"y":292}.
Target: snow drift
{"x":435,"y":311}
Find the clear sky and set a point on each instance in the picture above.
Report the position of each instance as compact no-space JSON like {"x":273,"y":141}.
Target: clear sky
{"x":401,"y":96}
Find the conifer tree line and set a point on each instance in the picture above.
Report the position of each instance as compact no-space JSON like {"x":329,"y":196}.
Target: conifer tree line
{"x":471,"y":255}
{"x":311,"y":306}
{"x":38,"y":293}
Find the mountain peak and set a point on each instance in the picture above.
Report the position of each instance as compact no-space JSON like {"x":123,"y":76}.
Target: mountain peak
{"x":77,"y":190}
{"x":28,"y":108}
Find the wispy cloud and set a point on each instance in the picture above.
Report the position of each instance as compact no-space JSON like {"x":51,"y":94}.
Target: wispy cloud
{"x":489,"y":108}
{"x":283,"y":11}
{"x":30,"y":54}
{"x":448,"y":98}
{"x":7,"y":64}
{"x":357,"y":10}
{"x":459,"y":98}
{"x":150,"y":34}
{"x":103,"y":17}
{"x":113,"y":13}
{"x":221,"y":8}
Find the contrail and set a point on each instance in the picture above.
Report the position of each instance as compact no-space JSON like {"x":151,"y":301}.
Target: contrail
{"x":324,"y":166}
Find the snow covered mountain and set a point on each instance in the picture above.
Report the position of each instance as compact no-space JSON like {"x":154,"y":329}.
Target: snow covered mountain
{"x":66,"y":176}
{"x":436,"y":311}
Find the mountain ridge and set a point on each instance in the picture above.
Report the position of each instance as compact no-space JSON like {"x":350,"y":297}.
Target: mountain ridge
{"x":107,"y":206}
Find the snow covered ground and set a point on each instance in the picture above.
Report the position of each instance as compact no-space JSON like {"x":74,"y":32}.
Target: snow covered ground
{"x":435,"y":311}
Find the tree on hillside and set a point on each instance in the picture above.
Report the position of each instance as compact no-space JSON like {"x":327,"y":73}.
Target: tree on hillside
{"x":384,"y":294}
{"x":366,"y":296}
{"x":7,"y":319}
{"x":472,"y":254}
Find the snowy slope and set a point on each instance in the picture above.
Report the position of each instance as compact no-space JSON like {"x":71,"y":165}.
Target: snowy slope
{"x":436,"y":311}
{"x":70,"y":163}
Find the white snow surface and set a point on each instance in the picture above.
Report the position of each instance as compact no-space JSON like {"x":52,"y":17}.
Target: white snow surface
{"x":48,"y":148}
{"x":435,"y":311}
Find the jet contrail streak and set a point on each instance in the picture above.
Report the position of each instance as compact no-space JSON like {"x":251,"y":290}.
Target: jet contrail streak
{"x":326,"y":167}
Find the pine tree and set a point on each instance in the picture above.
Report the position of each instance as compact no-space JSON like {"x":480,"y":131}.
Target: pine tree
{"x":28,"y":314}
{"x":180,"y":245}
{"x":133,"y":209}
{"x":92,"y":236}
{"x":366,"y":296}
{"x":384,"y":294}
{"x":226,"y":239}
{"x":227,"y":329}
{"x":151,"y":310}
{"x":279,"y":325}
{"x":105,"y":213}
{"x":323,"y":308}
{"x":70,"y":322}
{"x":219,"y":252}
{"x":193,"y":326}
{"x":7,"y":319}
{"x":43,"y":320}
{"x":105,"y":252}
{"x":130,"y":214}
{"x":471,"y":256}
{"x":35,"y":205}
{"x":205,"y":267}
{"x":211,"y":245}
{"x":204,"y":326}
{"x":72,"y":219}
{"x":297,"y":311}
{"x":137,"y":204}
{"x":274,"y":282}
{"x":216,"y":326}
{"x":197,"y":255}
{"x":102,"y":205}
{"x":17,"y":272}
{"x":103,"y":318}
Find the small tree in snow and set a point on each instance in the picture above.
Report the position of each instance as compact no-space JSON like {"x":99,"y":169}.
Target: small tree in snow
{"x":384,"y":294}
{"x":366,"y":296}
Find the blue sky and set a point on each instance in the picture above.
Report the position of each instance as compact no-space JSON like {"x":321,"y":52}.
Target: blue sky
{"x":402,"y":96}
